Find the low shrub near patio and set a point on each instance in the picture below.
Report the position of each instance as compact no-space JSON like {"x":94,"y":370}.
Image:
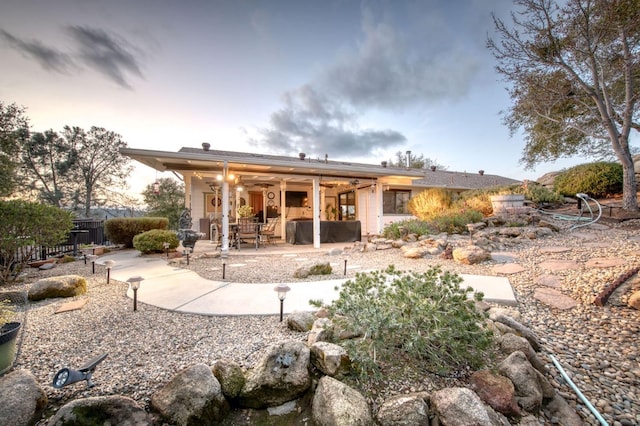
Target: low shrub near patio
{"x":121,"y":230}
{"x":455,"y":222}
{"x":412,"y":226}
{"x":153,"y":241}
{"x":426,"y":316}
{"x":430,"y":203}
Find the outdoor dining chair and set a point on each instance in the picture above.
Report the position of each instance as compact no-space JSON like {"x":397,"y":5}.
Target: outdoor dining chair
{"x":268,"y":231}
{"x":248,"y":229}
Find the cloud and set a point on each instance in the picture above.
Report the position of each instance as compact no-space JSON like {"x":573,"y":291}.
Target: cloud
{"x":109,"y":55}
{"x":50,"y":59}
{"x":312,"y":123}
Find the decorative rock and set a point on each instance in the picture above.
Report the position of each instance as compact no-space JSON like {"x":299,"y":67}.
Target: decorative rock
{"x":554,"y":298}
{"x":193,"y":396}
{"x":335,"y":403}
{"x":330,"y":359}
{"x":497,"y":391}
{"x":548,"y":281}
{"x":408,"y":410}
{"x":23,"y":400}
{"x":62,"y":286}
{"x":320,"y":331}
{"x":413,"y":252}
{"x":462,"y":406}
{"x":634,"y":300}
{"x":114,"y":409}
{"x":531,"y":386}
{"x":470,"y":255}
{"x":300,"y":321}
{"x":604,"y":262}
{"x":281,"y":375}
{"x":559,"y":409}
{"x":230,"y":376}
{"x":508,"y":269}
{"x":510,"y":343}
{"x":559,"y":265}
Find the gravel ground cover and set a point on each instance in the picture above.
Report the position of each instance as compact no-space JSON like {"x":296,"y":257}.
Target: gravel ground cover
{"x":598,"y":346}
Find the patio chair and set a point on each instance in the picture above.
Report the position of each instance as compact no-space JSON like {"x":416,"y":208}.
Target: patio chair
{"x":268,"y":231}
{"x":247,"y":230}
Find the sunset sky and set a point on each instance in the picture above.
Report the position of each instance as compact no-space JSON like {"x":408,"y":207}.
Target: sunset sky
{"x":353,"y":80}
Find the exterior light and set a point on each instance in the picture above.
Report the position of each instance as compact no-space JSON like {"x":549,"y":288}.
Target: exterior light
{"x":92,"y":258}
{"x":282,"y":290}
{"x":109,"y":264}
{"x":166,"y":248}
{"x":186,"y":252}
{"x":156,"y":187}
{"x":134,"y":282}
{"x":68,"y":376}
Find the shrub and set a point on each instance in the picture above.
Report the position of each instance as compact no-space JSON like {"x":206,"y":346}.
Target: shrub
{"x":595,"y":179}
{"x":455,"y":222}
{"x":152,"y":241}
{"x":410,"y":226}
{"x":24,"y":227}
{"x":121,"y":230}
{"x":427,"y":316}
{"x":430,"y":203}
{"x":477,"y":200}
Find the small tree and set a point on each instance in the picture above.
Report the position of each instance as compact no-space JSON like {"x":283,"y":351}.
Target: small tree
{"x":14,"y":132}
{"x":24,"y":228}
{"x":167,"y":202}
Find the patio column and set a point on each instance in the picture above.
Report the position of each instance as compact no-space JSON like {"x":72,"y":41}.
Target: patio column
{"x":316,"y":212}
{"x":225,"y":211}
{"x":379,"y":208}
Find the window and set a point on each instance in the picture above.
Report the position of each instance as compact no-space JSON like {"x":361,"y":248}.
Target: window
{"x":396,"y":201}
{"x":347,"y":205}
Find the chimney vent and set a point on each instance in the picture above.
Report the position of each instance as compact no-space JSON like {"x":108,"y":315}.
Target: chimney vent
{"x":302,"y":155}
{"x":383,"y":163}
{"x":206,"y":146}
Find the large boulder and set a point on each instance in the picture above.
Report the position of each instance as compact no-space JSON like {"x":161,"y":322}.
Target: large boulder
{"x":282,"y":375}
{"x":497,"y":391}
{"x":230,"y":376}
{"x":558,"y":408}
{"x":336,"y":404}
{"x":300,"y":321}
{"x":463,"y":407}
{"x":470,"y":255}
{"x":99,"y":410}
{"x":62,"y":286}
{"x":320,"y":331}
{"x":193,"y":397}
{"x":330,"y":359}
{"x":510,"y":343}
{"x":406,"y":409}
{"x":23,"y":400}
{"x":531,"y":386}
{"x":634,"y":300}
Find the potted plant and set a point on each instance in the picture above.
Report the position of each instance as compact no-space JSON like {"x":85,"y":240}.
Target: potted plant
{"x":245,"y":211}
{"x":8,"y":335}
{"x":508,"y":198}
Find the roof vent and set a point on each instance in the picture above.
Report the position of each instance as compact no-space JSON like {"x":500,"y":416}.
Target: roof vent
{"x":383,"y":163}
{"x":481,"y":172}
{"x":302,"y":155}
{"x":433,"y":168}
{"x":206,"y":146}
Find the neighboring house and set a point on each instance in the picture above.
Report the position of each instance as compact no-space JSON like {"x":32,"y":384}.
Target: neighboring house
{"x":300,"y":188}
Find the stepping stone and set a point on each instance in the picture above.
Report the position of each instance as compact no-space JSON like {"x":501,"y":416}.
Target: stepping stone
{"x":548,"y":280}
{"x":599,"y":226}
{"x":583,"y":235}
{"x":554,"y":249}
{"x":596,"y":245}
{"x":559,"y":265}
{"x":604,"y":262}
{"x":71,"y":306}
{"x":554,"y":298}
{"x":237,"y":265}
{"x":508,"y":268}
{"x":504,"y":257}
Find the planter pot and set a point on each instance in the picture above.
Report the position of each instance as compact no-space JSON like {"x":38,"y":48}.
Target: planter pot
{"x":8,"y":339}
{"x":503,"y":203}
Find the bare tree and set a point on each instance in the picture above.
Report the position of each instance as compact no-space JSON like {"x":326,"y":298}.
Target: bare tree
{"x":572,"y":70}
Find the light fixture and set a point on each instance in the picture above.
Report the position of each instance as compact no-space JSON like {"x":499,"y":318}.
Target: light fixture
{"x":156,"y":187}
{"x":282,"y":290}
{"x":134,"y":282}
{"x":186,"y":253}
{"x":109,"y":264}
{"x":92,"y":258}
{"x":166,"y":248}
{"x":68,"y":376}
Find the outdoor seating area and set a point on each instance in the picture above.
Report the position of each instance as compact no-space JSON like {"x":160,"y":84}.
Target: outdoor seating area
{"x":245,"y":231}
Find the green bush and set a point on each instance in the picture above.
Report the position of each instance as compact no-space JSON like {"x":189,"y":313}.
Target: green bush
{"x":595,"y":179}
{"x":25,"y":226}
{"x":121,"y":230}
{"x":152,"y":241}
{"x":410,"y":226}
{"x":455,"y":222}
{"x":430,"y":203}
{"x":426,"y":316}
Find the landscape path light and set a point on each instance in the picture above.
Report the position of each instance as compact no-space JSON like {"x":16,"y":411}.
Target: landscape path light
{"x":135,"y":285}
{"x":68,"y":376}
{"x":109,"y":264}
{"x":166,"y":248}
{"x":92,"y":258}
{"x":282,"y":290}
{"x":186,"y":253}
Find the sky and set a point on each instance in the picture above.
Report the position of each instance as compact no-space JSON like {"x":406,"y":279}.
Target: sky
{"x":355,"y":80}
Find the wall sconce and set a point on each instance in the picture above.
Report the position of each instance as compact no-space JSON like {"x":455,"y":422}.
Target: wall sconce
{"x":92,"y":258}
{"x":282,"y":290}
{"x":134,"y":282}
{"x":109,"y":264}
{"x":68,"y":376}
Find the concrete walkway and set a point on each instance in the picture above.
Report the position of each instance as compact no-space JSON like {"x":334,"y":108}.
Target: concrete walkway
{"x":183,"y":290}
